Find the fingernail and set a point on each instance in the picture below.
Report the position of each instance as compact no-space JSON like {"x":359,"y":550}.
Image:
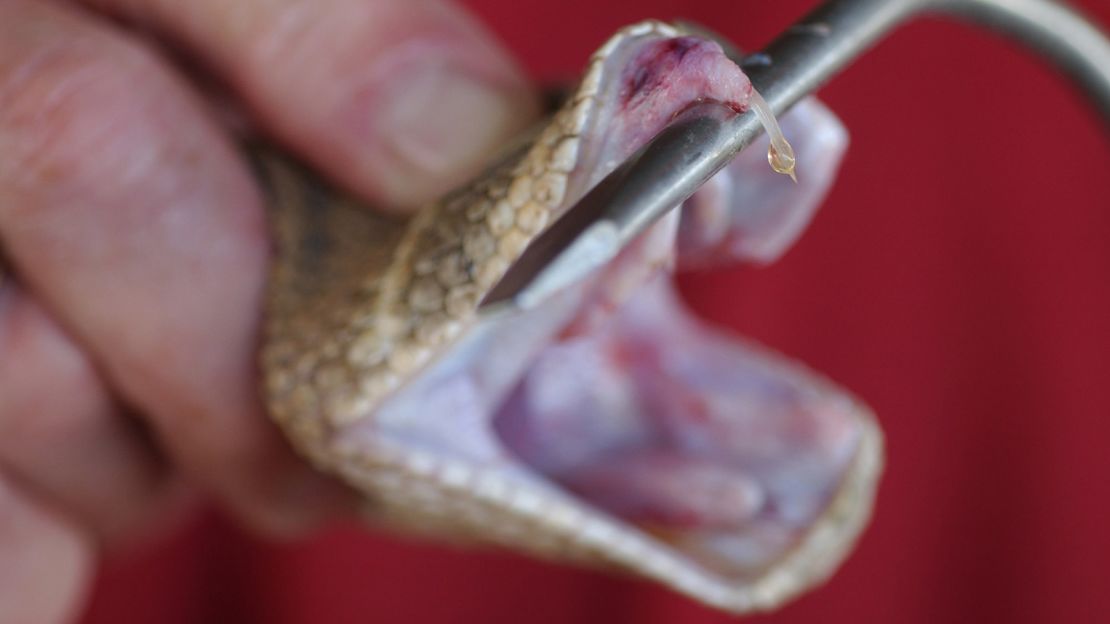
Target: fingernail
{"x":439,"y":124}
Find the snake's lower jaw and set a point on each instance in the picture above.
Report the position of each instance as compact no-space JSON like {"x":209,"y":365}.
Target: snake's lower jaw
{"x":607,"y":425}
{"x":651,"y":443}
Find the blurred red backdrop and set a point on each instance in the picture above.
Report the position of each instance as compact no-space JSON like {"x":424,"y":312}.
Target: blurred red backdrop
{"x":958,"y":279}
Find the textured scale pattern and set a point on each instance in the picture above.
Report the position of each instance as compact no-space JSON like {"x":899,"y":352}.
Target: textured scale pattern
{"x":360,"y":303}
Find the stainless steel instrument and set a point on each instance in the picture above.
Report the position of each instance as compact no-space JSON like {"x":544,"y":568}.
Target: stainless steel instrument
{"x":669,"y":169}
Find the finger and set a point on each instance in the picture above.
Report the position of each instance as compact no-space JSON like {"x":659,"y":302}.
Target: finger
{"x":61,"y":433}
{"x":129,"y":214}
{"x":398,"y":99}
{"x":47,"y":562}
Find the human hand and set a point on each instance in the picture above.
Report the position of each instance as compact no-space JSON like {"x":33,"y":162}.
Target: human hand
{"x":138,"y":239}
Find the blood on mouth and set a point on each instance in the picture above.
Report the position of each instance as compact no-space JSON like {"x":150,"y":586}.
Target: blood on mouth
{"x":652,"y":69}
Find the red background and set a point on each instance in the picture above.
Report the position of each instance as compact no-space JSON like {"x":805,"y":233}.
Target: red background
{"x":958,"y":279}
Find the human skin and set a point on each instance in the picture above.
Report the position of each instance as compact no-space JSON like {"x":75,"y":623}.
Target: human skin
{"x":138,"y":242}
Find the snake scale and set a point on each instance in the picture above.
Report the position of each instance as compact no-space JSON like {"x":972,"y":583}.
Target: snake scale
{"x":379,"y":369}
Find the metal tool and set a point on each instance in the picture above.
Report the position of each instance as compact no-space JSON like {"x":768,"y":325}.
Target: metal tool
{"x":670,"y":168}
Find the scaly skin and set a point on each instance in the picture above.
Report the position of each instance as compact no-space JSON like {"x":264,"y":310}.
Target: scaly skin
{"x":361,"y":303}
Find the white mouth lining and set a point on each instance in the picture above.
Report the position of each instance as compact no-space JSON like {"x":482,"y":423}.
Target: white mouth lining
{"x":512,"y":493}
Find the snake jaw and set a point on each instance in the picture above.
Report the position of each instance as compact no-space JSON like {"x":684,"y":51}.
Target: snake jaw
{"x":380,"y":370}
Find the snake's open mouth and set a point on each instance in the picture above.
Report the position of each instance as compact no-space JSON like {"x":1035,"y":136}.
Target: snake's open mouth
{"x":608,"y":423}
{"x":721,"y":450}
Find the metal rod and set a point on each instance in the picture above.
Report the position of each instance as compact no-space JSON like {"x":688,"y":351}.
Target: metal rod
{"x":1057,"y":31}
{"x":687,"y":153}
{"x":822,"y":43}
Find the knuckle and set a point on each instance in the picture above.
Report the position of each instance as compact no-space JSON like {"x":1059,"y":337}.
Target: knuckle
{"x":74,"y":111}
{"x":299,"y":51}
{"x":284,"y":37}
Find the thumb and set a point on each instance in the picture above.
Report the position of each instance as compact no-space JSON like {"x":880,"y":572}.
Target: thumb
{"x":399,"y":100}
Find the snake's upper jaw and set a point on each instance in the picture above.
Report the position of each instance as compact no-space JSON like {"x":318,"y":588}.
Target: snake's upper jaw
{"x":606,"y":425}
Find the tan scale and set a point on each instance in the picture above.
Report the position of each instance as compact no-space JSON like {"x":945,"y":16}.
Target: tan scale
{"x":359,"y":303}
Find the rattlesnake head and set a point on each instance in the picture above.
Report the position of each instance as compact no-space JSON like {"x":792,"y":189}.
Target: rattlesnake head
{"x":605,"y":426}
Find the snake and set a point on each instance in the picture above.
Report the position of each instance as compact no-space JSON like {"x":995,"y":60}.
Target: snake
{"x":605,"y":426}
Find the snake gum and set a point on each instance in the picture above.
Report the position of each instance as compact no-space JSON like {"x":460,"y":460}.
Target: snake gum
{"x":606,"y":426}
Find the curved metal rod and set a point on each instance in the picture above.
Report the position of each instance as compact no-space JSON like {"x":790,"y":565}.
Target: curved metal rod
{"x":823,"y":42}
{"x":664,"y":173}
{"x":1057,"y":31}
